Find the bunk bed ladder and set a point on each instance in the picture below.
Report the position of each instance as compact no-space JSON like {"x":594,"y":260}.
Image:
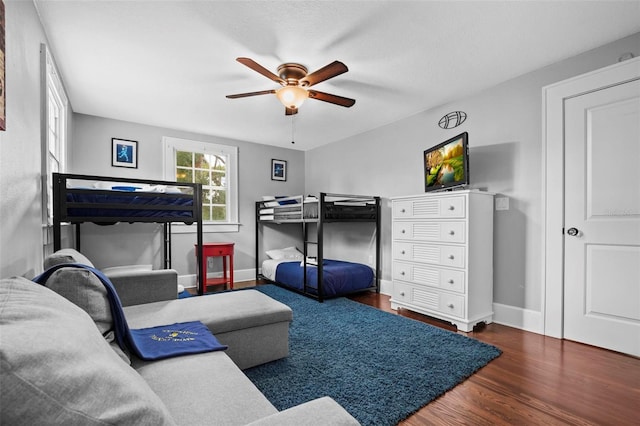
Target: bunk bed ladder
{"x":166,"y":229}
{"x":305,"y":250}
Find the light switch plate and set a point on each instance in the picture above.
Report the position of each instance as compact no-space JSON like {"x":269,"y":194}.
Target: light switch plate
{"x":502,"y":203}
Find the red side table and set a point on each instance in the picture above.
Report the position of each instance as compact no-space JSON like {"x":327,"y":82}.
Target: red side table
{"x":214,"y":250}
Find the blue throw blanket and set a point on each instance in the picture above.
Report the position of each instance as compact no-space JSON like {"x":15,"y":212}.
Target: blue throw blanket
{"x":148,"y":343}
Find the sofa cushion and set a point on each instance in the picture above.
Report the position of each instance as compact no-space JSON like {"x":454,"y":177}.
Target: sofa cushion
{"x":67,"y":255}
{"x":85,"y":290}
{"x":56,"y":368}
{"x":320,"y":411}
{"x":205,"y":389}
{"x":221,"y":312}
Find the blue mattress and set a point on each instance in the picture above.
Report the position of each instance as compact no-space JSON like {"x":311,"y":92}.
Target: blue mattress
{"x":339,"y":277}
{"x":127,"y":204}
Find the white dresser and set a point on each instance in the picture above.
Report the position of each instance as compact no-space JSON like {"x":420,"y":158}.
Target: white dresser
{"x":443,"y":256}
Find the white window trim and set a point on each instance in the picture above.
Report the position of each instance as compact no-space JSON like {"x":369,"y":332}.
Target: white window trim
{"x":51,"y":82}
{"x":171,"y":145}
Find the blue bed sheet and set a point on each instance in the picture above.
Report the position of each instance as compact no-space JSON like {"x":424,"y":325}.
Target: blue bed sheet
{"x":339,"y":277}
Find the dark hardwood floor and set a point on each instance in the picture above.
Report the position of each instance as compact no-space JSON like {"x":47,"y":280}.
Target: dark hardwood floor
{"x":537,"y":380}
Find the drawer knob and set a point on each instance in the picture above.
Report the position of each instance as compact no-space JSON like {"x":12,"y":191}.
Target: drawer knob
{"x":452,"y":207}
{"x":403,"y":211}
{"x":451,"y":257}
{"x":450,"y":281}
{"x":402,"y":252}
{"x":450,"y":305}
{"x":403,"y":231}
{"x":402,"y":293}
{"x":452,"y":232}
{"x":402,"y":273}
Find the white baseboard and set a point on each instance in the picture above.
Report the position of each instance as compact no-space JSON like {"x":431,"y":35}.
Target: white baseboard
{"x":386,"y":287}
{"x":512,"y":316}
{"x":239,"y":275}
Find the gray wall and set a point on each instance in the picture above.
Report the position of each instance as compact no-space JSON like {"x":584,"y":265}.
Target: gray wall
{"x":505,"y":138}
{"x":21,"y":239}
{"x":141,"y":243}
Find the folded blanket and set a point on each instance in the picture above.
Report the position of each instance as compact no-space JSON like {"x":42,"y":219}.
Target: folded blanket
{"x":148,"y":343}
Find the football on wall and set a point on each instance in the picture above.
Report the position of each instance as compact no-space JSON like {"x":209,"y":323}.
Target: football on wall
{"x":452,"y":119}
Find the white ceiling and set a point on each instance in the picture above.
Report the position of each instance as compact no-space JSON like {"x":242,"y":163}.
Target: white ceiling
{"x":171,"y":63}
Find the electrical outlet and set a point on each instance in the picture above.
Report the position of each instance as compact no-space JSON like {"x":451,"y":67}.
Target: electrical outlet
{"x":370,"y":260}
{"x":502,"y":203}
{"x":209,"y":263}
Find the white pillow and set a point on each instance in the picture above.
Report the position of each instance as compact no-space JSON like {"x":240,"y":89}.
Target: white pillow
{"x":289,"y":253}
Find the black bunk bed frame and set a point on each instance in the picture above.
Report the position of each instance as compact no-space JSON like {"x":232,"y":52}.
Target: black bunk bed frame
{"x":328,"y":212}
{"x":62,"y":206}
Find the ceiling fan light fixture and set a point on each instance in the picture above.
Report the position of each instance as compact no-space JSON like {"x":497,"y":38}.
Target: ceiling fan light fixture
{"x":292,"y":96}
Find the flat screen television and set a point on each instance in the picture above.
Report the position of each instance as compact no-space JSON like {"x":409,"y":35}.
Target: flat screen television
{"x":446,"y":165}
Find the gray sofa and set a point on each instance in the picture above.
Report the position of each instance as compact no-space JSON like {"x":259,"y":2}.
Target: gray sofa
{"x":59,"y":364}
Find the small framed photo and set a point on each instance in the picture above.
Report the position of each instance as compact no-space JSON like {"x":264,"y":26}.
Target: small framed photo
{"x":278,"y":170}
{"x":124,"y":153}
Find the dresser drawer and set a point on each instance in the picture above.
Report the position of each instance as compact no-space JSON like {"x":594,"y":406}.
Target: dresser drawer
{"x":452,"y":256}
{"x":445,"y":232}
{"x":450,"y":304}
{"x":401,"y":292}
{"x":431,"y":276}
{"x":430,"y":207}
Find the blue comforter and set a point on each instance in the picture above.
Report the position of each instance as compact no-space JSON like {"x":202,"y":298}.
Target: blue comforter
{"x":339,"y":277}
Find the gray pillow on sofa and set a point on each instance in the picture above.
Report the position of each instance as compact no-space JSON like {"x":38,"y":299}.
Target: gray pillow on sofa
{"x":56,"y":368}
{"x":67,"y":255}
{"x":85,"y":290}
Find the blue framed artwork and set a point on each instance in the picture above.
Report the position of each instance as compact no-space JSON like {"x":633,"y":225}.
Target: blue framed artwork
{"x":278,"y":170}
{"x":124,"y":153}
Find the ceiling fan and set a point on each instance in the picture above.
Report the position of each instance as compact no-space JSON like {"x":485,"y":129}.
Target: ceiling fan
{"x":295,"y":81}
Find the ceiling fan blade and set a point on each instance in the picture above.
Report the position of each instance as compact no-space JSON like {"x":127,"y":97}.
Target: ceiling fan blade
{"x":290,"y":111}
{"x":244,"y":95}
{"x":329,"y":71}
{"x":333,"y":99}
{"x":260,"y":69}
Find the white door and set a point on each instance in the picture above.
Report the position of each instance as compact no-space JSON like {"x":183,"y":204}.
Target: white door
{"x":602,"y":218}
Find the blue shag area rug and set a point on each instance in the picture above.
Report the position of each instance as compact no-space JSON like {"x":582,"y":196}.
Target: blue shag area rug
{"x":184,"y":294}
{"x":379,"y":366}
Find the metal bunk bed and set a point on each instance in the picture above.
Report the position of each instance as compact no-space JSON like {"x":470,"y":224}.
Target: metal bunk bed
{"x":77,"y":200}
{"x":327,"y":208}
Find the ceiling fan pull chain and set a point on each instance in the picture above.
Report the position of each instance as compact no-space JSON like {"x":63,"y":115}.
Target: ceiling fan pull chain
{"x":292,"y":138}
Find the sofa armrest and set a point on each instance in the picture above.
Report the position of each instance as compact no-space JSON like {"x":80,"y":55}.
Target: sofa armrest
{"x":135,"y":287}
{"x":321,"y":411}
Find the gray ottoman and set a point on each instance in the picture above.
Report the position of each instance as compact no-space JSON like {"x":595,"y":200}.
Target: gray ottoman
{"x":253,"y":325}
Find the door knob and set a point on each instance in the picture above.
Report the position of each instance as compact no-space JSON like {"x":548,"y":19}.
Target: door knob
{"x":572,"y":231}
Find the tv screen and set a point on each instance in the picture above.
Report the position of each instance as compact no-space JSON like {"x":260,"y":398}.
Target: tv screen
{"x":446,"y":165}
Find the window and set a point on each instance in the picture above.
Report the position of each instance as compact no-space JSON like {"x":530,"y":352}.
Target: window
{"x":215,"y":168}
{"x":54,"y":133}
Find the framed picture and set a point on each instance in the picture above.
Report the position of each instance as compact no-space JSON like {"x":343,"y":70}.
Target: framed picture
{"x":278,"y":170}
{"x":124,"y":153}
